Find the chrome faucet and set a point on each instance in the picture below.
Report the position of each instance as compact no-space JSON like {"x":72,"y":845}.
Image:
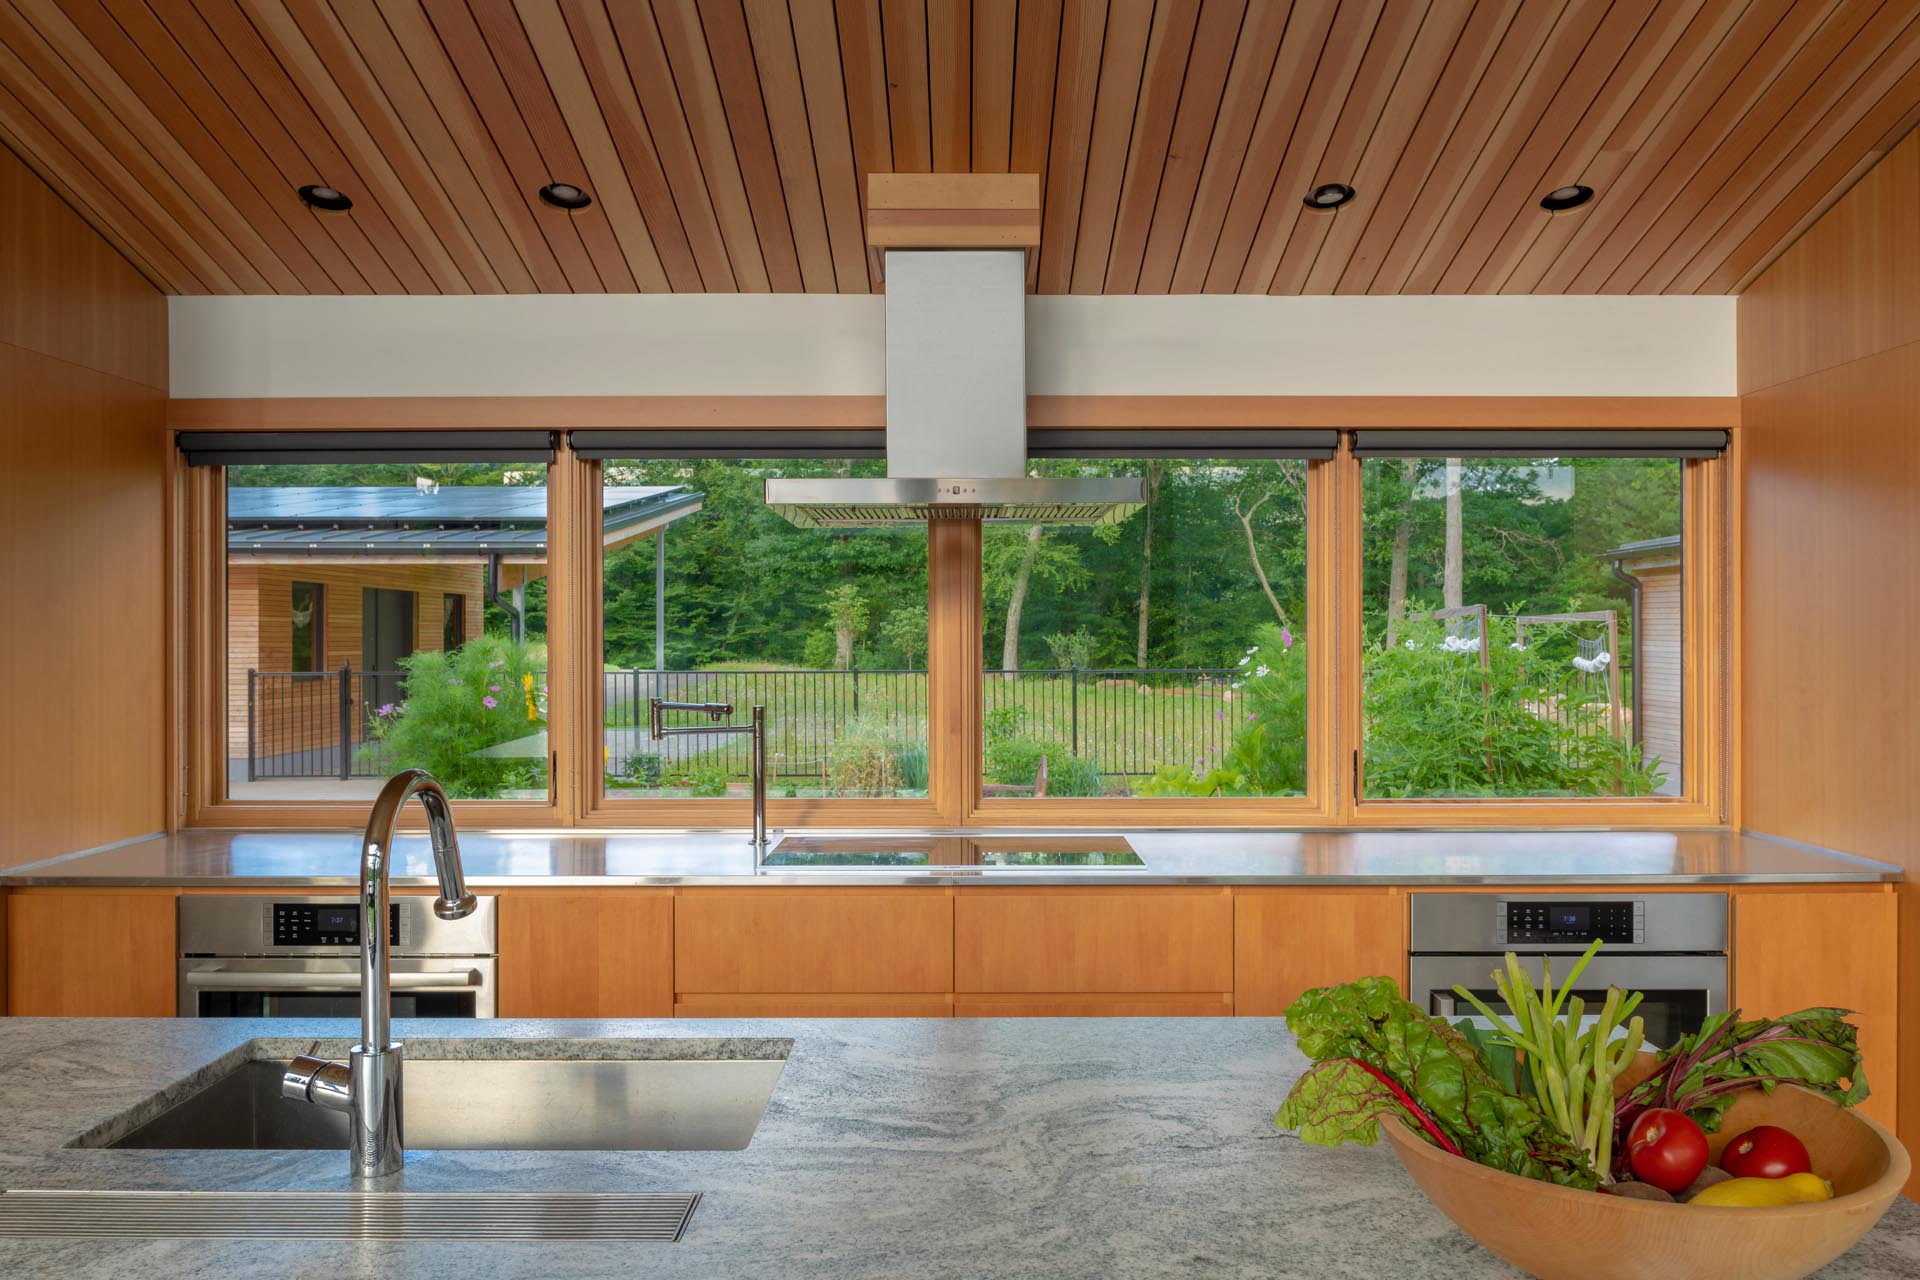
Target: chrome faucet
{"x":717,"y":711}
{"x":367,"y":1085}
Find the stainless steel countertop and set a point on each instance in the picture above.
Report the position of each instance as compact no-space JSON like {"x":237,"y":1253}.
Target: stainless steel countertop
{"x":506,"y":858}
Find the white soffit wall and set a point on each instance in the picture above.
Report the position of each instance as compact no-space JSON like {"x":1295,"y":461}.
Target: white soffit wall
{"x":829,"y":344}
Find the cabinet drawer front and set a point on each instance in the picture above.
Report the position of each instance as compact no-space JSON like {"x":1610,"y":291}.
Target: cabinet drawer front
{"x":813,"y":941}
{"x":904,"y":1006}
{"x":1289,"y":940}
{"x":1053,"y":941}
{"x":1143,"y":1005}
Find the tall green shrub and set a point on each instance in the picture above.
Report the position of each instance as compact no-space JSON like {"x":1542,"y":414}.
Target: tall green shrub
{"x":488,"y":692}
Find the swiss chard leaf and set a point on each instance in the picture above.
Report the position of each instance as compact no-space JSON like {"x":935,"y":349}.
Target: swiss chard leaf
{"x":1370,"y":1022}
{"x":1340,"y":1101}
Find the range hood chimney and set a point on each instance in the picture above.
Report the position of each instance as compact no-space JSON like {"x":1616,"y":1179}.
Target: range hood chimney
{"x":956,"y":410}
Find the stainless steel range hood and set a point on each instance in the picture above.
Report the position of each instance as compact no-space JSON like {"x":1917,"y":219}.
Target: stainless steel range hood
{"x":956,"y":410}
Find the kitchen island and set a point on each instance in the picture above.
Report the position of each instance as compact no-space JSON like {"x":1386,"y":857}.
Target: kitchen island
{"x":896,"y":1148}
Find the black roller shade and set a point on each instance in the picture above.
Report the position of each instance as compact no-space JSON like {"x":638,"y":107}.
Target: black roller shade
{"x":1624,"y":443}
{"x":1196,"y":443}
{"x":856,"y":443}
{"x":248,"y":448}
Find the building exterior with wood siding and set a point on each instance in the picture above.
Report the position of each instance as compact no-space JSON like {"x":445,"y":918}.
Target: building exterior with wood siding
{"x":1655,"y":566}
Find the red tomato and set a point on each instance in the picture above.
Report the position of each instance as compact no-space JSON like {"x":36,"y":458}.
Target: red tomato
{"x":1767,"y":1151}
{"x":1666,"y":1149}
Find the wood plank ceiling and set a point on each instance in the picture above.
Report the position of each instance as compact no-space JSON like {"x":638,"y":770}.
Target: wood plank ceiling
{"x":726,"y":142}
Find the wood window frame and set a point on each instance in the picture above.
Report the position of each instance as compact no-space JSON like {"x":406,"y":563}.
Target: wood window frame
{"x":954,"y":799}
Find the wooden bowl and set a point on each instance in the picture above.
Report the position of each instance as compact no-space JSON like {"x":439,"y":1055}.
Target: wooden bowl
{"x":1554,"y":1232}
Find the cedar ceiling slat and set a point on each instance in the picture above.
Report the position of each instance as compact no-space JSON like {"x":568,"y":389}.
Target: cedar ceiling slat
{"x":1318,"y":251}
{"x":1713,"y":31}
{"x":680,"y":35}
{"x":1784,"y":99}
{"x":552,"y":250}
{"x":1122,"y":62}
{"x":131,"y":130}
{"x":1817,"y":123}
{"x":399,"y":29}
{"x":1161,"y":87}
{"x":70,"y":177}
{"x":408,"y":140}
{"x":57,"y":141}
{"x":577,"y":34}
{"x":818,"y":51}
{"x":253,"y":58}
{"x":864,"y":73}
{"x":1519,"y":49}
{"x":1341,"y":62}
{"x":369,"y":70}
{"x":1538,"y":86}
{"x":1036,"y":60}
{"x":1818,"y":191}
{"x":1208,"y":64}
{"x":992,"y":43}
{"x":1082,"y":34}
{"x":1357,"y":244}
{"x":642,"y":86}
{"x":727,"y":142}
{"x":903,"y":31}
{"x":1752,"y":83}
{"x":770,"y":28}
{"x":624,"y":258}
{"x":950,"y":83}
{"x":1248,"y":82}
{"x":730,"y":53}
{"x":595,"y":160}
{"x":1612,"y":71}
{"x":1308,"y":30}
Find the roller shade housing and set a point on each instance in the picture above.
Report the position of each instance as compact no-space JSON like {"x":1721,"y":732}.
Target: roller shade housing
{"x":601,"y":445}
{"x":1679,"y":443}
{"x":251,"y":448}
{"x":1288,"y":443}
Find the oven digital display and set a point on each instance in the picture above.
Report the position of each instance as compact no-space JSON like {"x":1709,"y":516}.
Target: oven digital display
{"x":1573,"y":922}
{"x":324,"y":924}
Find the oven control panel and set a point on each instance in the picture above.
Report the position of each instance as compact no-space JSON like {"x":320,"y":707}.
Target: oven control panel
{"x":1573,"y":920}
{"x":324,"y":924}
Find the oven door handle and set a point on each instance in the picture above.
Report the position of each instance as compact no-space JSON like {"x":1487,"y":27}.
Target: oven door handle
{"x":1443,"y":1005}
{"x":241,"y":980}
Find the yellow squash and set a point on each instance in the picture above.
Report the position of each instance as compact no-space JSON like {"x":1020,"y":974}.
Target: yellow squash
{"x":1798,"y":1188}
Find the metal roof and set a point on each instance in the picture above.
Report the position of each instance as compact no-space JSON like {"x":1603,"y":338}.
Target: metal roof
{"x":1647,"y":545}
{"x":458,"y":520}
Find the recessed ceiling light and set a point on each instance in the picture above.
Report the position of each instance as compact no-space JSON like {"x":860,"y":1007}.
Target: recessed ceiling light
{"x":564,"y":195}
{"x":326,"y":198}
{"x":1328,"y":195}
{"x":1561,"y":199}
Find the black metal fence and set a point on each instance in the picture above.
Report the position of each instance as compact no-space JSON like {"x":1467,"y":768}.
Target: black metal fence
{"x":1127,"y":720}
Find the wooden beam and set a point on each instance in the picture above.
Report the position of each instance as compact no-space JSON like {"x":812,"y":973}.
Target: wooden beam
{"x":953,"y":210}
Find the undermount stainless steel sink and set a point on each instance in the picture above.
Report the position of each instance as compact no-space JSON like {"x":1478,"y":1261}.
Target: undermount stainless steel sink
{"x":499,"y":1104}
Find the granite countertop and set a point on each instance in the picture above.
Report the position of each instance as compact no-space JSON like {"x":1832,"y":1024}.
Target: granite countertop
{"x":997,"y":1147}
{"x":505,"y":858}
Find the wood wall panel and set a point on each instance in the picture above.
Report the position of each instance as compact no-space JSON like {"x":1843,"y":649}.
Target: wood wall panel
{"x":599,"y":953}
{"x":1830,"y":597}
{"x":89,"y":954}
{"x":1174,"y":141}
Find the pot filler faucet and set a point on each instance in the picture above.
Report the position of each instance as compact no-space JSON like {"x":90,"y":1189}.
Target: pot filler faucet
{"x":367,"y":1085}
{"x":717,"y":711}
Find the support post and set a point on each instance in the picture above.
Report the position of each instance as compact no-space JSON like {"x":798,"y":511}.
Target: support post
{"x":346,"y":722}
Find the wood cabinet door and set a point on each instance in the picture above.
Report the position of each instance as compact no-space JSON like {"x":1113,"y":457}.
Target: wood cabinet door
{"x":1286,"y":941}
{"x":1136,"y":1005}
{"x":1800,"y":950}
{"x":802,"y":1006}
{"x":598,"y":953}
{"x":813,"y":941}
{"x":1093,"y":940}
{"x":91,"y":953}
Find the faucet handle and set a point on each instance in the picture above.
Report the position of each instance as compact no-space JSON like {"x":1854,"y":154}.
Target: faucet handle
{"x":321,"y":1081}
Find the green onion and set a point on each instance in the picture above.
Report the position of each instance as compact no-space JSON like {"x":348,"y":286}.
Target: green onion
{"x":1572,"y":1071}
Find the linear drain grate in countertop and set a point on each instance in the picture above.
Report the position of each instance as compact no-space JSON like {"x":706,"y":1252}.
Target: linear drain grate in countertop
{"x":347,"y":1215}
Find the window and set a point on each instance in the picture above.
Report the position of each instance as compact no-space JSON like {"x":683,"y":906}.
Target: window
{"x":709,"y":596}
{"x":307,"y":615}
{"x":355,"y":555}
{"x":1522,"y":621}
{"x":1161,"y":656}
{"x":453,"y":621}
